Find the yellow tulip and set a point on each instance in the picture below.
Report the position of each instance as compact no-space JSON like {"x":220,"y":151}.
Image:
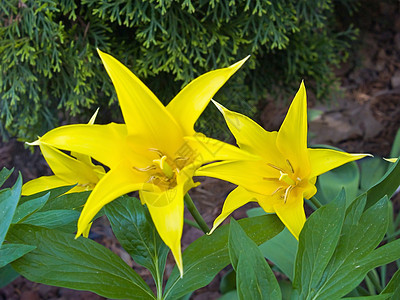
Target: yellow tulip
{"x":68,"y":170}
{"x":149,"y":153}
{"x":286,"y":170}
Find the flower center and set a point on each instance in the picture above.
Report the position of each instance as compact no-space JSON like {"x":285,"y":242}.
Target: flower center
{"x":286,"y":181}
{"x":163,"y":171}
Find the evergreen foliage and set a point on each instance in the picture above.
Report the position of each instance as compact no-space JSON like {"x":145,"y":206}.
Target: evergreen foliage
{"x":50,"y":70}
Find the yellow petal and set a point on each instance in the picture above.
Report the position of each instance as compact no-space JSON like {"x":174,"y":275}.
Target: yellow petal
{"x":67,"y":168}
{"x":248,"y":174}
{"x":324,"y":160}
{"x":117,"y":182}
{"x":191,"y":101}
{"x":143,"y":113}
{"x":292,"y":213}
{"x":237,"y":198}
{"x":393,"y":160}
{"x":105,"y":143}
{"x":43,"y":183}
{"x":207,"y":150}
{"x":250,"y":136}
{"x":292,"y":136}
{"x":166,"y":210}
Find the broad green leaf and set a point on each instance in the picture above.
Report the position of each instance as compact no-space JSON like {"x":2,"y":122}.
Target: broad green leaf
{"x":8,"y":202}
{"x":317,"y":243}
{"x":228,"y":282}
{"x":67,"y":201}
{"x":368,"y":178}
{"x":386,"y":186}
{"x":7,"y":275}
{"x":54,"y":193}
{"x":134,"y":229}
{"x":393,"y":286}
{"x":286,"y":289}
{"x":80,"y":264}
{"x":254,"y":277}
{"x":281,"y":250}
{"x":53,"y":219}
{"x":11,"y":252}
{"x":330,"y":183}
{"x":29,"y":207}
{"x":208,"y":255}
{"x":231,"y":295}
{"x":395,"y":152}
{"x":375,"y":297}
{"x":4,"y":174}
{"x":359,"y":237}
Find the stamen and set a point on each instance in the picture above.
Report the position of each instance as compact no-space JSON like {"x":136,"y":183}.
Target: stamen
{"x":290,"y":165}
{"x":156,"y":151}
{"x":276,"y":168}
{"x":164,"y":166}
{"x":152,"y":167}
{"x":277,"y":190}
{"x":287,"y":193}
{"x":270,"y":179}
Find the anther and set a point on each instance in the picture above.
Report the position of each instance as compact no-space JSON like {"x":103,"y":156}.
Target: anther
{"x":275,"y":167}
{"x":152,"y":167}
{"x":290,"y":165}
{"x":156,"y":151}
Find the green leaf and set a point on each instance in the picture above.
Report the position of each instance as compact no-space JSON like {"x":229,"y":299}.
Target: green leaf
{"x":359,"y":237}
{"x":80,"y":264}
{"x":281,"y":250}
{"x":393,"y":286}
{"x":29,"y":207}
{"x":228,"y":282}
{"x":317,"y":243}
{"x":53,"y":219}
{"x":8,"y":202}
{"x":67,"y":201}
{"x":134,"y":229}
{"x":375,"y":297}
{"x":395,"y":152}
{"x":4,"y":174}
{"x":231,"y":295}
{"x":208,"y":255}
{"x":368,"y":178}
{"x":7,"y":275}
{"x":254,"y":277}
{"x":11,"y":252}
{"x":54,"y":193}
{"x":386,"y":186}
{"x":330,"y":183}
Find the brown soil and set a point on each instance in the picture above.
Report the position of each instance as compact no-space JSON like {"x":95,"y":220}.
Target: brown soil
{"x":365,"y":119}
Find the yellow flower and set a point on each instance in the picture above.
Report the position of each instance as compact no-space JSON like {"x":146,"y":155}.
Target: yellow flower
{"x":68,"y":170}
{"x":150,"y":153}
{"x":286,"y":170}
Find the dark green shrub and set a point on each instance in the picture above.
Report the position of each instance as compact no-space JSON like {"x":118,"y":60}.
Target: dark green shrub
{"x":50,"y":70}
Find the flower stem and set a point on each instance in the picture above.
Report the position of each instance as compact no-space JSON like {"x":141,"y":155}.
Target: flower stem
{"x":316,"y":202}
{"x":195,"y":213}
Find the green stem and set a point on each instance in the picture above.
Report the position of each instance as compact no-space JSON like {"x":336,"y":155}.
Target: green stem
{"x":195,"y":213}
{"x":159,"y":282}
{"x":191,"y":223}
{"x":316,"y":202}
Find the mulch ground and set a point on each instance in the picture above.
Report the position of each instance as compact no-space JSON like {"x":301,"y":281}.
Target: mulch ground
{"x":364,"y":119}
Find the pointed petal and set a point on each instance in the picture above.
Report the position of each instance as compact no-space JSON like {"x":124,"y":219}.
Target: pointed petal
{"x":43,"y":183}
{"x":105,"y":143}
{"x":188,"y":105}
{"x":250,"y":136}
{"x":292,"y":212}
{"x":67,"y":168}
{"x":207,"y":150}
{"x":143,"y":113}
{"x":248,"y":174}
{"x":292,"y":136}
{"x":237,"y":198}
{"x":392,"y":160}
{"x":93,"y":118}
{"x":166,"y":210}
{"x":324,"y":160}
{"x":117,"y":182}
